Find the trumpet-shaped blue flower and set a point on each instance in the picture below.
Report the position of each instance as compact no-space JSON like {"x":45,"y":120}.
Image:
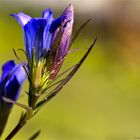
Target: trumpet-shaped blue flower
{"x":46,"y":38}
{"x":11,"y":80}
{"x":10,"y":83}
{"x":40,"y":33}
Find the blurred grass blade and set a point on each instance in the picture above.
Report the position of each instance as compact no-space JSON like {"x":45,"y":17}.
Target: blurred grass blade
{"x":68,"y":77}
{"x":15,"y":54}
{"x":79,"y":31}
{"x":35,"y":135}
{"x":67,"y":70}
{"x":24,"y":52}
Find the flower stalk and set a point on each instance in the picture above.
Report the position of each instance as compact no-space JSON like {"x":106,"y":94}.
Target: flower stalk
{"x":23,"y":120}
{"x":3,"y":118}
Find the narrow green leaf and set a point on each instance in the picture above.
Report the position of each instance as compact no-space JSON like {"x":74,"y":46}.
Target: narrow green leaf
{"x":79,"y":31}
{"x":35,"y":135}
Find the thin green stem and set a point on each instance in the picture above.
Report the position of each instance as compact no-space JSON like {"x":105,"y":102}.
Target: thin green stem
{"x":4,"y":114}
{"x":18,"y":127}
{"x":24,"y":119}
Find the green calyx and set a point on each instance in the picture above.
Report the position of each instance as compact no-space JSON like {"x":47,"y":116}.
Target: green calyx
{"x":38,"y":73}
{"x":39,"y":78}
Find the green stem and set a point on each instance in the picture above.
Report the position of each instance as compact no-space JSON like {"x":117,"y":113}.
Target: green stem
{"x":24,"y":119}
{"x":4,"y":114}
{"x":21,"y":123}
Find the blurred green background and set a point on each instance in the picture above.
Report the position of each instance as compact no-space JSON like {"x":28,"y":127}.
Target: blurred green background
{"x":102,"y":101}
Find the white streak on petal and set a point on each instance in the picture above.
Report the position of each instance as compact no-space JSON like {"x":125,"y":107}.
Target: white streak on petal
{"x":21,"y":18}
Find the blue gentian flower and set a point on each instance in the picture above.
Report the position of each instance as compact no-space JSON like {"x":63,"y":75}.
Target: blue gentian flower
{"x":40,"y":33}
{"x":10,"y":83}
{"x":11,"y":80}
{"x":47,"y":41}
{"x":36,"y":32}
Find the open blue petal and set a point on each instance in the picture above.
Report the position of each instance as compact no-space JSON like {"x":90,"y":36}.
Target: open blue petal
{"x":54,"y":31}
{"x":14,"y":83}
{"x":49,"y":32}
{"x":55,"y":24}
{"x":12,"y":89}
{"x":21,"y":18}
{"x":34,"y":36}
{"x":47,"y":36}
{"x":47,"y":14}
{"x":20,"y":74}
{"x":6,"y":68}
